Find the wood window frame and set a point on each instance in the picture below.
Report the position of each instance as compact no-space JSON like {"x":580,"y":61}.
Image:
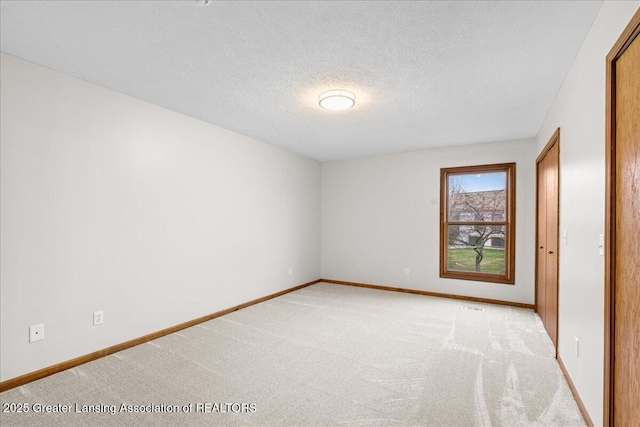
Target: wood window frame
{"x":509,"y":222}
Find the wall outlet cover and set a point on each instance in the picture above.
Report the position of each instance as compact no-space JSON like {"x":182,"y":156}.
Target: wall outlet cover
{"x":98,"y":317}
{"x":36,"y":332}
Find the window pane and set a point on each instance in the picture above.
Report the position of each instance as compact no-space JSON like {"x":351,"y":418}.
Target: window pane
{"x":477,"y":248}
{"x":477,"y":197}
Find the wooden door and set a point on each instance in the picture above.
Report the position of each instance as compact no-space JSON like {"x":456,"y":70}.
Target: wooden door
{"x":622,"y":265}
{"x":541,"y":239}
{"x":551,"y":247}
{"x":547,"y":215}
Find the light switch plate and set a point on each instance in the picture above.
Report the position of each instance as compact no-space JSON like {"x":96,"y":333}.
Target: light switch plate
{"x":601,"y":244}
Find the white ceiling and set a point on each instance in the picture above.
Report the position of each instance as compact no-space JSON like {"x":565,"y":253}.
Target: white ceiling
{"x":425,"y":74}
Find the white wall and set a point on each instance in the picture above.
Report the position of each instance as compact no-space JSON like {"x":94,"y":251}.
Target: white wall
{"x":579,"y":110}
{"x":380,"y":215}
{"x":110,"y":203}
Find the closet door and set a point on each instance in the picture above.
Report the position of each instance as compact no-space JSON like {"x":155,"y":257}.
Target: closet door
{"x":541,"y":240}
{"x":551,"y":246}
{"x":547,"y":215}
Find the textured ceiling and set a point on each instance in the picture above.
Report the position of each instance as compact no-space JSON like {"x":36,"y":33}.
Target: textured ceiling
{"x":425,"y":74}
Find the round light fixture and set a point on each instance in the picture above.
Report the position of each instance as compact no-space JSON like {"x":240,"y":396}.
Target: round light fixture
{"x":337,"y":100}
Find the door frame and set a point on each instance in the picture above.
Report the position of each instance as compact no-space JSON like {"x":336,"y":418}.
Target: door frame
{"x":626,"y":38}
{"x":555,"y":139}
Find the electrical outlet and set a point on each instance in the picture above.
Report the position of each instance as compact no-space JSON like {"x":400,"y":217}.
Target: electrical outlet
{"x":406,"y":271}
{"x":577,"y":347}
{"x":290,"y":271}
{"x":36,"y":332}
{"x":98,"y":317}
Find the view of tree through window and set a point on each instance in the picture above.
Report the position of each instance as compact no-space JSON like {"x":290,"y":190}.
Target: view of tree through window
{"x":476,"y":228}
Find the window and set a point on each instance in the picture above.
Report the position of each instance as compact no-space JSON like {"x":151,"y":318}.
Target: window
{"x":477,"y":223}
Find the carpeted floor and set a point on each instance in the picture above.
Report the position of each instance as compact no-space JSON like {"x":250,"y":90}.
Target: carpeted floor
{"x":323,"y":355}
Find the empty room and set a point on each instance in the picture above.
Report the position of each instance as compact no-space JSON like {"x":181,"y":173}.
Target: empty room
{"x":316,"y":213}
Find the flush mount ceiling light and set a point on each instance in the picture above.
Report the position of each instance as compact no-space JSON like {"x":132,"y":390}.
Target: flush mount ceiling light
{"x":337,"y":99}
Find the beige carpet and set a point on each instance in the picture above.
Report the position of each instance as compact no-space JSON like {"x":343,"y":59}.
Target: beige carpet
{"x":323,"y":355}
